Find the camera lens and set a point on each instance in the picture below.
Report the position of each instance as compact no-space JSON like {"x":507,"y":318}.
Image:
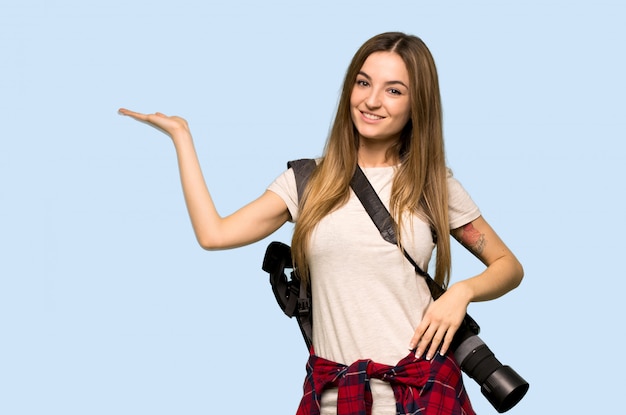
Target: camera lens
{"x":504,"y":388}
{"x":501,"y":385}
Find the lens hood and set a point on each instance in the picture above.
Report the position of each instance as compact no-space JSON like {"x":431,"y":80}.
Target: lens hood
{"x":504,"y":388}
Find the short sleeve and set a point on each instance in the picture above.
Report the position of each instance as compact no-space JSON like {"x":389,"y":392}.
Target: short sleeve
{"x":285,"y":187}
{"x":462,"y":209}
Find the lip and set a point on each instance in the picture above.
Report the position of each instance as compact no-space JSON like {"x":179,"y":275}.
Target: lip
{"x":371,"y":117}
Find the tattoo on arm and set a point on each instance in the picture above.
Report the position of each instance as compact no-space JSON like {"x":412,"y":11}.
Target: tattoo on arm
{"x":472,"y":239}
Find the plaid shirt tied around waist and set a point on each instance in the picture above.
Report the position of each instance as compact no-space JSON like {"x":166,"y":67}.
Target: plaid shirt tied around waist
{"x":425,"y":387}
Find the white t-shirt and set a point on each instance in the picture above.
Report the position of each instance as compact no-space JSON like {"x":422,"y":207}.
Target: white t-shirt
{"x":367,"y":298}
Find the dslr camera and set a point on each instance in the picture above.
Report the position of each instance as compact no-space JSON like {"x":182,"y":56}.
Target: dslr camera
{"x":500,"y":384}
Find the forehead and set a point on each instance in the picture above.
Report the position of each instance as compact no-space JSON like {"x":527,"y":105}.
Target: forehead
{"x":387,"y":66}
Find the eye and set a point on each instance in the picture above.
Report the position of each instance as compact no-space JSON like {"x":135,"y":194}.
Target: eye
{"x":394,"y":91}
{"x":362,"y":82}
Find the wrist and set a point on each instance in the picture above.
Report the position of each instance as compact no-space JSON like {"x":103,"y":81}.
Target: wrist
{"x":181,"y":137}
{"x":463,"y":291}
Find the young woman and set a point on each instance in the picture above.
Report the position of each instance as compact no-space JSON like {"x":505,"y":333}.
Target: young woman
{"x":370,"y":307}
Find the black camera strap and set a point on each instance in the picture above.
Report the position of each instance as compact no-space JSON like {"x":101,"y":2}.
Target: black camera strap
{"x":383,"y":221}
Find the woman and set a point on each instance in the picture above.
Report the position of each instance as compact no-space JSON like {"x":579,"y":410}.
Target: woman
{"x":369,"y":304}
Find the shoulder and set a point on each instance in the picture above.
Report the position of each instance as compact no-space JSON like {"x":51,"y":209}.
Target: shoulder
{"x":461,"y":207}
{"x":287,"y":184}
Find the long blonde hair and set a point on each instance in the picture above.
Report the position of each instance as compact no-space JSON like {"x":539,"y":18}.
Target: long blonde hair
{"x":420,"y":183}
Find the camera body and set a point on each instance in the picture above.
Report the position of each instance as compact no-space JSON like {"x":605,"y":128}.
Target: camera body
{"x":501,"y":385}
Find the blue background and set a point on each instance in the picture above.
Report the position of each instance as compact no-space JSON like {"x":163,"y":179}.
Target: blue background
{"x":108,"y":305}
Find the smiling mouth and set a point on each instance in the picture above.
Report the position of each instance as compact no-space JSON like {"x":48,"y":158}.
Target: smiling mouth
{"x":371,"y":116}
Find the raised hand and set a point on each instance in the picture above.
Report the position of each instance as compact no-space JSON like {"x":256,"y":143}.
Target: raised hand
{"x":170,"y":125}
{"x":249,"y":224}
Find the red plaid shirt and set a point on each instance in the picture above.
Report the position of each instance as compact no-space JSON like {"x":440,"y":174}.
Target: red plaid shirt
{"x":425,"y":387}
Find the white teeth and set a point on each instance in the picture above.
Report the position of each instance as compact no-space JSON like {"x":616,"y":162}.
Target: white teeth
{"x":372,"y":116}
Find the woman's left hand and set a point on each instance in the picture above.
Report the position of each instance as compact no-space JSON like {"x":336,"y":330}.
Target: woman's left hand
{"x":441,"y":320}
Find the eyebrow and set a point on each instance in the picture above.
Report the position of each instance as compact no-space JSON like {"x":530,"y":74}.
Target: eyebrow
{"x":369,"y":78}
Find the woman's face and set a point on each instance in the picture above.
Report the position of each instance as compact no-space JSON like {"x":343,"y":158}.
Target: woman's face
{"x":380,"y":103}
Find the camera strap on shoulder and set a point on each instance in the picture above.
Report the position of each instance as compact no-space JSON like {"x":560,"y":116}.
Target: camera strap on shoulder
{"x":302,"y":169}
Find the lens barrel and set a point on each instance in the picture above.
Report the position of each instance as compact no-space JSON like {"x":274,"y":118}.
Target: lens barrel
{"x":501,"y":385}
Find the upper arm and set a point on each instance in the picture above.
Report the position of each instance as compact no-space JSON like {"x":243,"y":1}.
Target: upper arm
{"x":480,"y":239}
{"x":251,"y":223}
{"x":503,"y":273}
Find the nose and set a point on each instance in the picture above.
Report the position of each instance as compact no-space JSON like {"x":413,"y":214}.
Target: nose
{"x":373,"y":98}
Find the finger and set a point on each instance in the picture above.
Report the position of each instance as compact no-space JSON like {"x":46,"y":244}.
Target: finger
{"x":419,"y":333}
{"x":415,"y":339}
{"x":133,"y":114}
{"x":434,"y":344}
{"x":152,"y":120}
{"x":447,"y":341}
{"x":424,"y":342}
{"x":125,"y":111}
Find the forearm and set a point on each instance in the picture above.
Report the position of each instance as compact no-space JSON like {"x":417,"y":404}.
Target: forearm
{"x":204,"y":217}
{"x":500,"y":277}
{"x":503,"y":271}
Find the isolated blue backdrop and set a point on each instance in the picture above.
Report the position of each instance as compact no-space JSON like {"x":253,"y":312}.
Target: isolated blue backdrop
{"x":108,"y":305}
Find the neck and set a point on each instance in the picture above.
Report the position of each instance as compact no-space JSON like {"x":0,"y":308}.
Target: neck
{"x":375,"y":155}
